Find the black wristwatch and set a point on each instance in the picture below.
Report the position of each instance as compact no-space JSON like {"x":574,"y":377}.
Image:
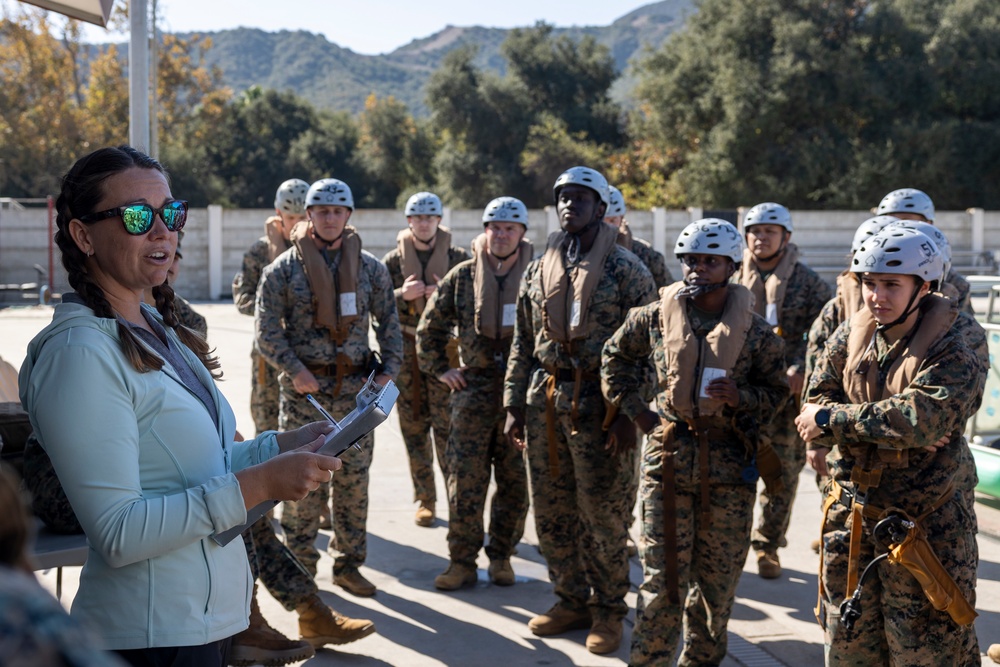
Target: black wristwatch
{"x":823,"y":419}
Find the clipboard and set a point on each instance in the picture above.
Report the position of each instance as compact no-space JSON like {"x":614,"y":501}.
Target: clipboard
{"x":374,"y":403}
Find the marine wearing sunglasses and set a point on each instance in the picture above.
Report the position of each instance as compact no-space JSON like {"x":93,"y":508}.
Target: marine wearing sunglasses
{"x":138,"y":218}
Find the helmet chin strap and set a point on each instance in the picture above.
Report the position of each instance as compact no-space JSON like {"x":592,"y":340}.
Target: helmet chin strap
{"x":573,"y":244}
{"x":329,"y":243}
{"x":776,"y":254}
{"x":909,"y":310}
{"x":691,"y":291}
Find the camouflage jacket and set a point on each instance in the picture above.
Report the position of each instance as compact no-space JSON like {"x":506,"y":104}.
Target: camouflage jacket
{"x":246,"y":281}
{"x":625,"y":284}
{"x":829,"y":318}
{"x":759,"y":373}
{"x":393,"y":260}
{"x":287,"y":335}
{"x":654,"y":261}
{"x":945,"y":393}
{"x":962,"y":287}
{"x":451,"y":308}
{"x":189,"y":317}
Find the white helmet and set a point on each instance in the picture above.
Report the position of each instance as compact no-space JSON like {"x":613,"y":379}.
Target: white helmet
{"x":616,"y":206}
{"x":291,"y":196}
{"x":871,"y":227}
{"x":899,"y":250}
{"x":588,"y":178}
{"x":711,"y":236}
{"x":907,"y":200}
{"x":768,"y":213}
{"x":935,"y":234}
{"x":423,"y":203}
{"x":330,"y":192}
{"x":506,"y":209}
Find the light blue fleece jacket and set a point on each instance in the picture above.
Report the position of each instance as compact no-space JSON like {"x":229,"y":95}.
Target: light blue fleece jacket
{"x":150,"y":477}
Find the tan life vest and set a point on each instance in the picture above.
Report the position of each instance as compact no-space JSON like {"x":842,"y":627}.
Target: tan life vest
{"x":495,"y":310}
{"x":276,"y":243}
{"x":437,"y":265}
{"x":567,"y":292}
{"x":938,"y":314}
{"x":849,"y":295}
{"x":769,"y":295}
{"x":335,"y":300}
{"x":624,"y":236}
{"x":723,"y":346}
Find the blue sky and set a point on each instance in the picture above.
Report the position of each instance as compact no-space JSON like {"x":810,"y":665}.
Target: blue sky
{"x":377,"y":26}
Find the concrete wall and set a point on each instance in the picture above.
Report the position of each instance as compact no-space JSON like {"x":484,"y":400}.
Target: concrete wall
{"x":215,"y":239}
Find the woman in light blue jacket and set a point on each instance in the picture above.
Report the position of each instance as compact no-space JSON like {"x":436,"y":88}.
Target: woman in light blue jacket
{"x":124,"y":401}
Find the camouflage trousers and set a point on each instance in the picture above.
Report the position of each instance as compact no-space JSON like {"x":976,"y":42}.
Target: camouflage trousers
{"x":477,"y":445}
{"x":709,"y":561}
{"x":349,"y":487}
{"x":264,"y":393}
{"x":580,"y":510}
{"x":776,"y":508}
{"x":278,"y":568}
{"x":416,"y":424}
{"x":898,"y":626}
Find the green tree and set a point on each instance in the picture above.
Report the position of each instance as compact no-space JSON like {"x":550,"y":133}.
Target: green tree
{"x":829,"y":102}
{"x":394,"y":152}
{"x":249,"y":148}
{"x":566,"y":79}
{"x":326,"y":150}
{"x":41,"y":122}
{"x":483,"y":123}
{"x":504,"y":135}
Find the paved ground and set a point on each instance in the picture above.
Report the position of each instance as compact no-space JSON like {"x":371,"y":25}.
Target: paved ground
{"x":418,"y":626}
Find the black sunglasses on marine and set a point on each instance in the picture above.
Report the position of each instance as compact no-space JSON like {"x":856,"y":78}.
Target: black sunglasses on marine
{"x":138,"y":218}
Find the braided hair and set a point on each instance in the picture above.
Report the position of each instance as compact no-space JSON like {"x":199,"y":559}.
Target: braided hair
{"x":82,"y":190}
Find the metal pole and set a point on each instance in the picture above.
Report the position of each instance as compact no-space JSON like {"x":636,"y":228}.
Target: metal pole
{"x":154,"y":125}
{"x":138,"y":75}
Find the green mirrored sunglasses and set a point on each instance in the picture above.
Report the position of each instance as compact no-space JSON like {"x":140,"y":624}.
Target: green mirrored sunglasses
{"x":138,"y":218}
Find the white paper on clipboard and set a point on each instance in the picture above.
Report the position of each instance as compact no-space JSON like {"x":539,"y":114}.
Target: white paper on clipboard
{"x":707,"y":375}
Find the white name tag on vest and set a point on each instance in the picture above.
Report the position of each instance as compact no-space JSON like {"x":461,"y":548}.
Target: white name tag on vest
{"x":509,"y":314}
{"x":771,"y":314}
{"x":349,"y":303}
{"x":574,"y":317}
{"x":707,"y":376}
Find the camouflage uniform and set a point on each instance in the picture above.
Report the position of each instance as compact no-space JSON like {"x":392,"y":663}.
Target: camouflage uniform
{"x":288,"y":337}
{"x":480,"y":442}
{"x":805,"y":296}
{"x":189,"y":317}
{"x":264,"y":376}
{"x":963,"y":290}
{"x":946,"y":391}
{"x":709,"y":558}
{"x":652,"y":260}
{"x":580,"y":513}
{"x":433,"y":413}
{"x":37,"y":631}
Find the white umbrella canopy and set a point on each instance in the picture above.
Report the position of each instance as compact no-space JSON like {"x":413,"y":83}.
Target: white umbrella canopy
{"x":91,"y":11}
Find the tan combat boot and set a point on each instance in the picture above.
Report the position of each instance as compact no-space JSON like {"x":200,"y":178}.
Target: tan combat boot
{"x":455,"y":577}
{"x":260,"y":644}
{"x":604,"y":637}
{"x":319,"y":625}
{"x":501,"y":573}
{"x":558,"y":620}
{"x":425,"y":513}
{"x":352,"y":581}
{"x":768,"y":565}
